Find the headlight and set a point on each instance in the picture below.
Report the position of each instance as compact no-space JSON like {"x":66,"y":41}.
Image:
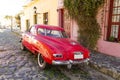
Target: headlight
{"x":58,"y":55}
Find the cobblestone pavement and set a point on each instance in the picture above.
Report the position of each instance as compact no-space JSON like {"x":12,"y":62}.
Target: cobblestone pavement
{"x":22,"y":65}
{"x":106,"y":64}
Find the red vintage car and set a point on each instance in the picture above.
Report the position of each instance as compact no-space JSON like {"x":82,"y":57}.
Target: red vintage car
{"x":53,"y":46}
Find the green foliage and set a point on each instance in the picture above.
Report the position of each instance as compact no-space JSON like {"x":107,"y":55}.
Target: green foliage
{"x":17,"y":18}
{"x":8,"y":17}
{"x":111,"y":38}
{"x":84,"y":13}
{"x":55,"y":74}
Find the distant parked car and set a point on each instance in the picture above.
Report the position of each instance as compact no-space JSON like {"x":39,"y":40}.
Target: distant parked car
{"x":53,"y":46}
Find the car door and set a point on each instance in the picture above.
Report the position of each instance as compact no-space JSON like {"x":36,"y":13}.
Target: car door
{"x":27,"y":39}
{"x":33,"y":39}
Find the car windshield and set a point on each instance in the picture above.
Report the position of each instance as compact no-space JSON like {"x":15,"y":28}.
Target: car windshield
{"x":52,"y":33}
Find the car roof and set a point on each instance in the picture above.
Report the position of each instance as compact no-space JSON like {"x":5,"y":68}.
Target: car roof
{"x":49,"y":27}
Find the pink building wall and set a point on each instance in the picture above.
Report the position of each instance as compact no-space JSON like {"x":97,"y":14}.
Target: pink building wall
{"x":74,"y":30}
{"x":104,"y":46}
{"x":110,"y":48}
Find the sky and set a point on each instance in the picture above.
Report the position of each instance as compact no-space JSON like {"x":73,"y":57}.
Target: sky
{"x":11,"y":7}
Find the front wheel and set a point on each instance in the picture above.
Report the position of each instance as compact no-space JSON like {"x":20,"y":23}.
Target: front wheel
{"x":41,"y":61}
{"x":22,"y":47}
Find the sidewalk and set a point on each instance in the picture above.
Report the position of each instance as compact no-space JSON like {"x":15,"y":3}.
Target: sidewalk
{"x":106,"y":64}
{"x":17,"y":32}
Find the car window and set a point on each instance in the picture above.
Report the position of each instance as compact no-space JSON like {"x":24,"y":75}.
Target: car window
{"x":52,"y":33}
{"x":41,"y":31}
{"x":55,"y":33}
{"x":33,"y":30}
{"x":64,"y":34}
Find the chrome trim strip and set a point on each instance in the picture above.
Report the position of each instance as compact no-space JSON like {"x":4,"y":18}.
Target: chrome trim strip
{"x":69,"y":62}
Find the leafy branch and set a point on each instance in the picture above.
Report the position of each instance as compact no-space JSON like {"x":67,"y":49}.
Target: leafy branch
{"x":84,"y":13}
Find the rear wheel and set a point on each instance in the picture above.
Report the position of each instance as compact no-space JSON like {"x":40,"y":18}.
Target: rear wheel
{"x":41,"y":61}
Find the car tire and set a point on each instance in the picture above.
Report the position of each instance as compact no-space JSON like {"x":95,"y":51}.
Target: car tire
{"x":41,"y":62}
{"x":22,"y":47}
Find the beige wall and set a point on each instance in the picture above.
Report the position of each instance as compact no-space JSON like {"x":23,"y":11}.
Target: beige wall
{"x":42,"y":6}
{"x":50,"y":7}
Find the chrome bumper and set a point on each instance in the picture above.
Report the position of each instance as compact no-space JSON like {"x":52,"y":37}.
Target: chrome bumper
{"x":69,"y":62}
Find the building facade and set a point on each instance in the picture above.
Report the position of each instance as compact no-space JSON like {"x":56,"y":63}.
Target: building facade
{"x":109,"y":19}
{"x":53,"y":13}
{"x":40,"y":12}
{"x":50,"y":13}
{"x":66,"y":22}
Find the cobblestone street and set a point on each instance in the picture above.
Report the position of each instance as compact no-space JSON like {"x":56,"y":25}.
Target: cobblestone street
{"x":22,"y":65}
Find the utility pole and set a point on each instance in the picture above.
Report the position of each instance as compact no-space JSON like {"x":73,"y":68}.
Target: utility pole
{"x":11,"y":22}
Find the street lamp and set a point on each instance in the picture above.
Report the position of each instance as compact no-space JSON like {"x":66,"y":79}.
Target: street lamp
{"x":35,"y":14}
{"x":35,"y":9}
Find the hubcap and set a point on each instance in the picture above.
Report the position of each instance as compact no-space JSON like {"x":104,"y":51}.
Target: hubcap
{"x":41,"y":62}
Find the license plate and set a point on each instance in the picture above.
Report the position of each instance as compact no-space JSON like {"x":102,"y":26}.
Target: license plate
{"x":78,"y":56}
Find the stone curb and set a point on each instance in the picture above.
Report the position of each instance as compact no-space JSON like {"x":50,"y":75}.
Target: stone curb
{"x":16,"y":33}
{"x":108,"y":71}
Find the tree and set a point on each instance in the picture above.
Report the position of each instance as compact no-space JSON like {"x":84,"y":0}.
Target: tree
{"x":18,"y":19}
{"x":8,"y":17}
{"x":84,"y":13}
